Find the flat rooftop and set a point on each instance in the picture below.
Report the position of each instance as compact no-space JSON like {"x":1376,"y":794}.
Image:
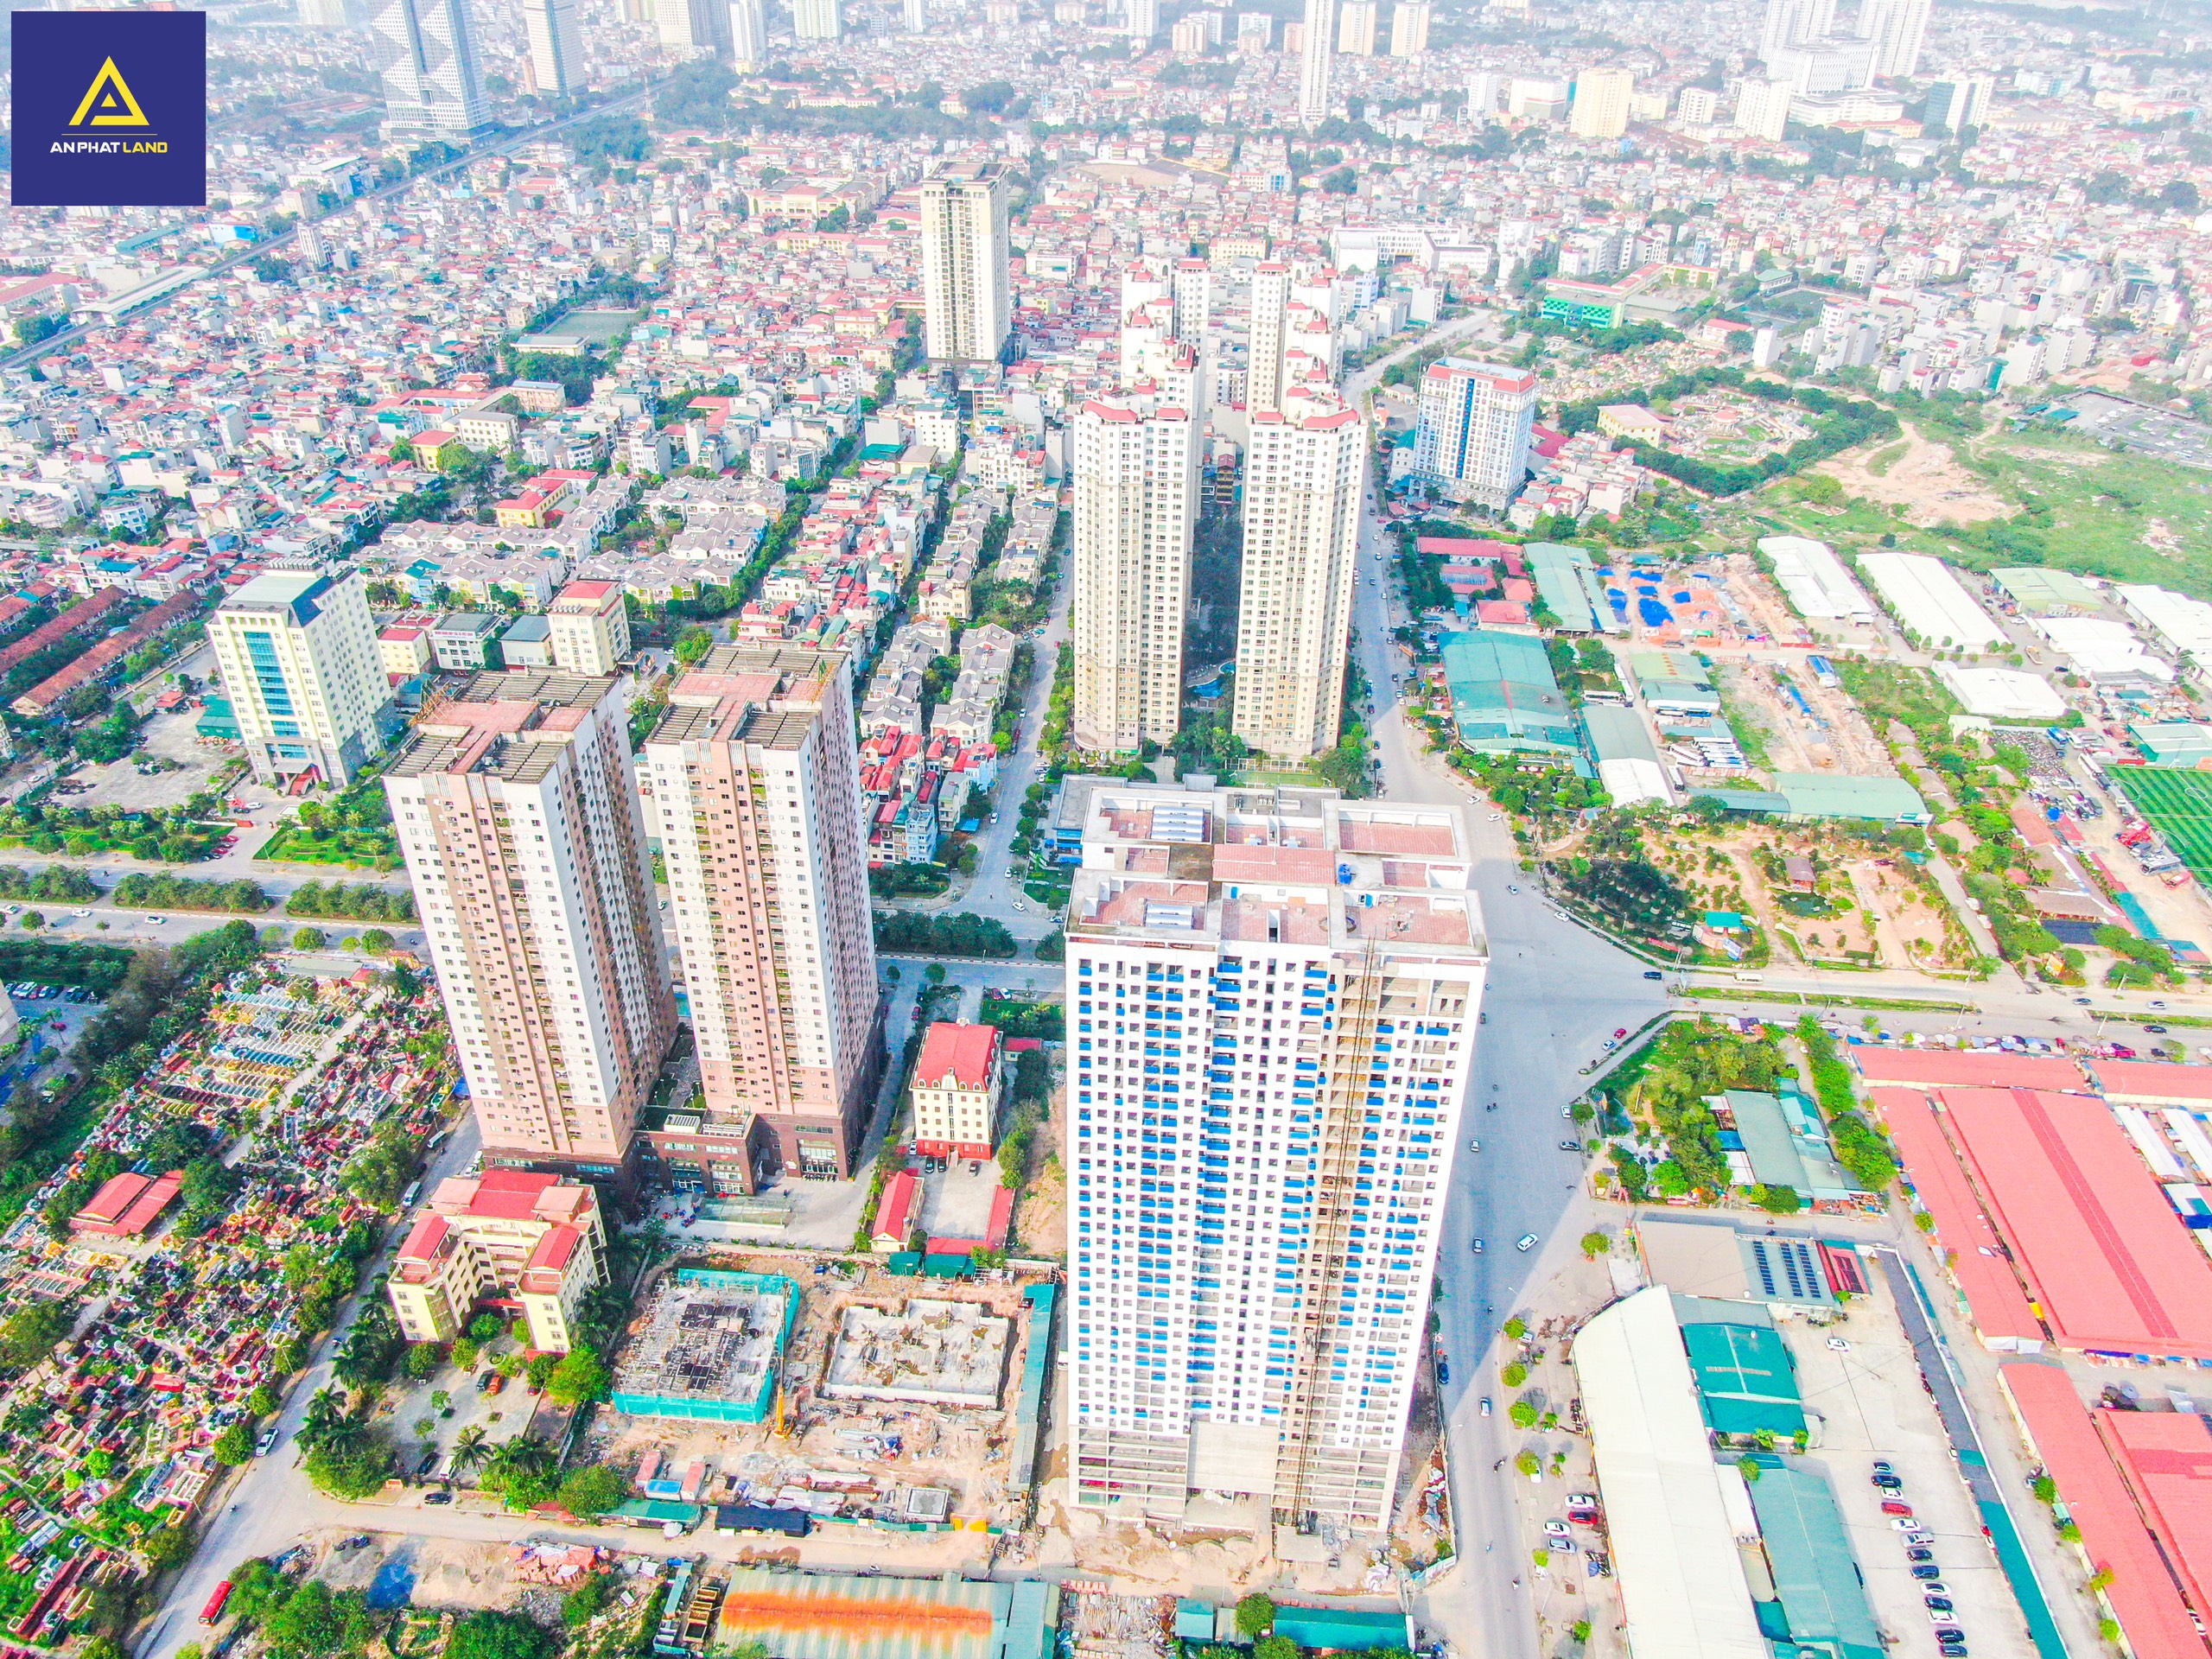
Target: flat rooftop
{"x":509,"y":724}
{"x":766,"y":695}
{"x":931,"y":1352}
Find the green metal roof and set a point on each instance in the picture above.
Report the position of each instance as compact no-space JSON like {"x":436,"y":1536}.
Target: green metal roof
{"x":1816,"y":1577}
{"x":1350,"y":1628}
{"x":1833,"y":795}
{"x":1504,"y":694}
{"x":1768,"y":1143}
{"x":2041,"y":592}
{"x":1567,"y":581}
{"x":1746,"y":1379}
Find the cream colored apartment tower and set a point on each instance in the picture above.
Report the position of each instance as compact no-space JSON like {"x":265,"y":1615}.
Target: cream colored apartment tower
{"x":753,"y":775}
{"x":1136,"y":496}
{"x":298,"y":655}
{"x":519,"y":820}
{"x":590,"y":627}
{"x":1302,"y":471}
{"x":966,"y":299}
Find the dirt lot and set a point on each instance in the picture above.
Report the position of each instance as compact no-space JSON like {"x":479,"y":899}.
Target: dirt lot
{"x":1926,"y":480}
{"x":887,"y":1442}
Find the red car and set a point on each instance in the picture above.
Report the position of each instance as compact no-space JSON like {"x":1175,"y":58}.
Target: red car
{"x":1892,"y":1507}
{"x":1623,"y":1032}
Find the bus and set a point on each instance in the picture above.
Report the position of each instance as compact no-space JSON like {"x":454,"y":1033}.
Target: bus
{"x":213,"y":1609}
{"x":414,"y":1192}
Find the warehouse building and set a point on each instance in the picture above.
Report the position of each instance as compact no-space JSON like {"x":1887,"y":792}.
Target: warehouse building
{"x":1627,"y":759}
{"x":1567,"y":583}
{"x":2038,"y":592}
{"x":1820,"y":1595}
{"x":1930,"y":603}
{"x":1505,"y":697}
{"x":2004,"y":694}
{"x":1817,"y":586}
{"x":1814,"y":797}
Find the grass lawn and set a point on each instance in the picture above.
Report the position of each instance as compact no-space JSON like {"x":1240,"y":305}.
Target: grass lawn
{"x":2129,"y":517}
{"x":2178,"y":804}
{"x":356,"y":850}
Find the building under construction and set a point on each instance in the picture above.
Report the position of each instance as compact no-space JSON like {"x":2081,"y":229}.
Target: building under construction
{"x":1245,"y":1331}
{"x":931,"y":1352}
{"x":709,"y":1347}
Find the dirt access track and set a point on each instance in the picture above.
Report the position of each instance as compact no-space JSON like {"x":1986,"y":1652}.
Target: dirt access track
{"x":1926,"y":480}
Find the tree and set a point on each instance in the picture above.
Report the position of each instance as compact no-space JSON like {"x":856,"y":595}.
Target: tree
{"x":582,"y":1604}
{"x":489,"y":1634}
{"x":1523,"y":1414}
{"x":487,"y":1327}
{"x":1514,"y":1375}
{"x":581,"y":1377}
{"x":590,"y":1493}
{"x":234,"y":1445}
{"x":694,"y":643}
{"x":376,"y":941}
{"x":1777,"y":1200}
{"x":1528,"y":1462}
{"x":422,"y":1361}
{"x":263,"y":1401}
{"x":470,"y":1448}
{"x":1275,"y":1646}
{"x":1256,"y":1616}
{"x":168,"y":1546}
{"x":308,"y":938}
{"x":1595,"y":1244}
{"x":28,"y":1335}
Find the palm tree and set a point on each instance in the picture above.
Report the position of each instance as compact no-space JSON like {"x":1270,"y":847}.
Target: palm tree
{"x":325,"y":1410}
{"x":517,"y":1459}
{"x":469,"y":1452}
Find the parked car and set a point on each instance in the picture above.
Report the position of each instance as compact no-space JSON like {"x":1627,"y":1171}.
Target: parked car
{"x":1570,"y":1145}
{"x":1839,"y":1345}
{"x":1918,"y":1535}
{"x":1526,"y":1241}
{"x":1918,"y":1554}
{"x":1939,"y":1608}
{"x":1652,"y":973}
{"x":1889,"y":1483}
{"x":1892,"y":1507}
{"x":441,"y":1496}
{"x":1485,"y":1405}
{"x":1443,"y":1369}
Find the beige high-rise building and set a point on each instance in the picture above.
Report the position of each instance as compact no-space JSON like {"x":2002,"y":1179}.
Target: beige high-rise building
{"x":1409,"y":28}
{"x":966,"y":300}
{"x":517,"y":813}
{"x":1317,"y":52}
{"x":702,"y":25}
{"x":748,"y":35}
{"x":1763,"y":109}
{"x":1292,"y":335}
{"x":590,"y":624}
{"x":531,"y":1239}
{"x":1136,"y":506}
{"x":1270,"y":307}
{"x":1194,"y":282}
{"x":1303,"y":467}
{"x":557,"y":51}
{"x":1600,"y":105}
{"x":815,"y":20}
{"x":754,"y":779}
{"x":1357,"y":22}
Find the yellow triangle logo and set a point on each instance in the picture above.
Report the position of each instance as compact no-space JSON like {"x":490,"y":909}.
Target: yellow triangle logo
{"x":109,"y":101}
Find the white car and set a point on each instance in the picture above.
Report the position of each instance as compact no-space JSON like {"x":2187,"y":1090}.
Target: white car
{"x":157,"y":920}
{"x":1526,"y":1241}
{"x":1837,"y":1345}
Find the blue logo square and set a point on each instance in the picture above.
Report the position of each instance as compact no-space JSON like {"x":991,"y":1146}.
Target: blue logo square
{"x":110,"y":109}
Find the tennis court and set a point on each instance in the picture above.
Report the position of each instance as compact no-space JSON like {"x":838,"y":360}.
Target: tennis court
{"x":2178,"y":804}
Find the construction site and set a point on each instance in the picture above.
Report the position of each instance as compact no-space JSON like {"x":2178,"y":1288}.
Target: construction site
{"x":854,"y":1401}
{"x":706,"y":1347}
{"x":931,"y":1352}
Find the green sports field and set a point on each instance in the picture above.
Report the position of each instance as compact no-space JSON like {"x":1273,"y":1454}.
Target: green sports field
{"x":2178,"y":804}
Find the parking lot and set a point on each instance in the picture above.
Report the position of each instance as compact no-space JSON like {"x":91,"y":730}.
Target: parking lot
{"x":1871,"y":1405}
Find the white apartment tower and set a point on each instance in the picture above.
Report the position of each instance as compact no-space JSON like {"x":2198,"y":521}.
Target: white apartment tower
{"x":1476,"y":420}
{"x":816,"y":19}
{"x":1409,"y":28}
{"x":516,"y":810}
{"x":298,"y":654}
{"x":426,"y":51}
{"x":1303,"y":468}
{"x":1136,"y":505}
{"x":966,"y":300}
{"x":1193,"y":284}
{"x":752,"y":776}
{"x":1899,"y":28}
{"x":1141,"y":19}
{"x":702,"y":25}
{"x":1293,"y":335}
{"x":556,"y":49}
{"x":1763,"y":109}
{"x":1148,"y":323}
{"x":1315,"y":60}
{"x":748,"y":35}
{"x":1794,"y":23}
{"x":915,"y":14}
{"x":1355,"y":27}
{"x":1272,"y":998}
{"x":1270,"y":315}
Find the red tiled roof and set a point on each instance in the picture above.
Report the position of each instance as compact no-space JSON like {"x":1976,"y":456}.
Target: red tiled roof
{"x":423,"y":1239}
{"x":2142,"y":1592}
{"x":960,"y":1053}
{"x":116,"y":1194}
{"x":1969,"y":1238}
{"x":554,"y":1249}
{"x":149,"y":1204}
{"x":2149,"y":1083}
{"x":2166,"y":1456}
{"x":1937,"y":1068}
{"x":894,"y":1215}
{"x":2112,"y":1263}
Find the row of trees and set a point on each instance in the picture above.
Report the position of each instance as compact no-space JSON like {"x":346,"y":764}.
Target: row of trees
{"x":54,"y":883}
{"x":161,"y":891}
{"x":900,"y":933}
{"x":355,"y":901}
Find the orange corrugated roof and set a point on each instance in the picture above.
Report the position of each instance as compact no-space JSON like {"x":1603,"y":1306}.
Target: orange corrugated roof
{"x":1937,"y":1068}
{"x":1976,"y":1254}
